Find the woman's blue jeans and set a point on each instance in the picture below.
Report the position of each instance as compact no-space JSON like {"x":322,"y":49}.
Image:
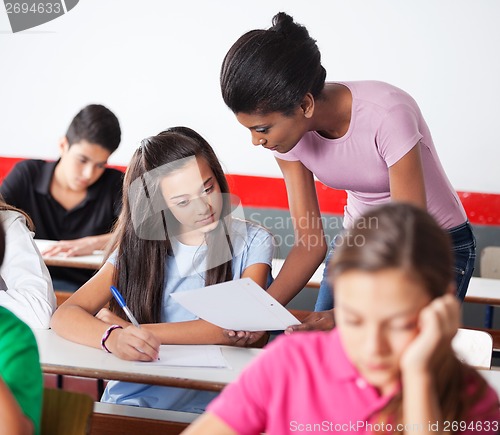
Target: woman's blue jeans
{"x":464,"y":251}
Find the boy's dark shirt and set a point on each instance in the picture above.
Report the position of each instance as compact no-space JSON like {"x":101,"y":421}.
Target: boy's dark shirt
{"x":27,"y":187}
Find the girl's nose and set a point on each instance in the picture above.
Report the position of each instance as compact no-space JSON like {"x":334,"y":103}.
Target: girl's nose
{"x":203,"y":205}
{"x":376,"y":343}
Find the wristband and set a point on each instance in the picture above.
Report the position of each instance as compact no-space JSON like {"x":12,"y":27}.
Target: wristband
{"x":105,"y":336}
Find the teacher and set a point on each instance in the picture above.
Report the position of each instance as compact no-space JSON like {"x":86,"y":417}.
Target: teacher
{"x":366,"y":137}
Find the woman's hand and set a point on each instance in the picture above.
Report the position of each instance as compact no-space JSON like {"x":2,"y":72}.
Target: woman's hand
{"x":245,"y":338}
{"x":135,"y":344}
{"x":110,"y":318}
{"x":316,"y":321}
{"x":438,"y":323}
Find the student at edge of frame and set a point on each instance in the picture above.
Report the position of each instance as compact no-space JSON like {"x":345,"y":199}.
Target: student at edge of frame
{"x":76,"y":199}
{"x":21,"y":381}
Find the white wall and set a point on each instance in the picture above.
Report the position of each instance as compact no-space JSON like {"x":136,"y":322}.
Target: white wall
{"x":156,"y":64}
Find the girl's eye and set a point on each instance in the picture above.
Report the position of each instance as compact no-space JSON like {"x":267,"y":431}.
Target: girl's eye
{"x":352,"y":322}
{"x":209,"y":189}
{"x":261,"y":130}
{"x":404,"y":326}
{"x":183,"y":203}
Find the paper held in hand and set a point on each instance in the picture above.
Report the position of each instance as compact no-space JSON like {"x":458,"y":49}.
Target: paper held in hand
{"x":238,"y":305}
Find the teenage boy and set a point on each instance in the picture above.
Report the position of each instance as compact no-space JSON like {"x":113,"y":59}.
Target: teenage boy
{"x":76,"y":199}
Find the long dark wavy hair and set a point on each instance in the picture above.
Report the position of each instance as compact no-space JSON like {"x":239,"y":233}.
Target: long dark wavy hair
{"x":272,"y":70}
{"x":143,"y":230}
{"x":406,"y":237}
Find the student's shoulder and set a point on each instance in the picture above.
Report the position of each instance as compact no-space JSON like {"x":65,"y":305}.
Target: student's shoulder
{"x":30,"y":167}
{"x":250,"y":234}
{"x":8,"y":217}
{"x":112,"y":175}
{"x":486,"y":400}
{"x":12,"y":326}
{"x":252,"y":229}
{"x":113,"y":172}
{"x":303,"y":345}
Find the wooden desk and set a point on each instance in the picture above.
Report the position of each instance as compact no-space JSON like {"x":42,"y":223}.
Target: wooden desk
{"x":63,"y":357}
{"x":483,"y":291}
{"x":93,"y":261}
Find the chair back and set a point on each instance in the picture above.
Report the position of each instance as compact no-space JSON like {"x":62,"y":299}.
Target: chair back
{"x":66,"y":412}
{"x":62,"y":296}
{"x":490,"y":262}
{"x":473,"y":347}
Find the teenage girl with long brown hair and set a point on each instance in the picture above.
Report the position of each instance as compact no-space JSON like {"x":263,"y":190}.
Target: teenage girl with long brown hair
{"x":176,"y":232}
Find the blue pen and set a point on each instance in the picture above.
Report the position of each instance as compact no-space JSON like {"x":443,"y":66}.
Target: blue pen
{"x":121,"y":302}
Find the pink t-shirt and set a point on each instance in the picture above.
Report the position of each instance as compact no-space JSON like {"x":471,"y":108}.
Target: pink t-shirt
{"x":304,"y":383}
{"x":386,"y":123}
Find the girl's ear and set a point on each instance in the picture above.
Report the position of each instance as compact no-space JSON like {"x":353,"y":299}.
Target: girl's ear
{"x":63,"y":145}
{"x":307,"y":105}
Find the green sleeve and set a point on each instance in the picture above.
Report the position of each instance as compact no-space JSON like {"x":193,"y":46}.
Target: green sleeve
{"x":20,"y":365}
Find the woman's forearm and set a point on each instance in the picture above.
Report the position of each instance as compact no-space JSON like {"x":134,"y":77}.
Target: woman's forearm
{"x":297,"y":270}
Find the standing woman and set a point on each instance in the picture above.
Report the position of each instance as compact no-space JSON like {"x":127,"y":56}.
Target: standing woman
{"x":368,"y":138}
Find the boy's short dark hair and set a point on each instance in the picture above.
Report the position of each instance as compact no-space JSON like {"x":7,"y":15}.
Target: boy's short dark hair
{"x":95,"y":124}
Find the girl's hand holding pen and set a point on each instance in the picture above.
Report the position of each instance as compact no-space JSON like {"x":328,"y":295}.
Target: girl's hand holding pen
{"x":135,"y":344}
{"x":131,"y":342}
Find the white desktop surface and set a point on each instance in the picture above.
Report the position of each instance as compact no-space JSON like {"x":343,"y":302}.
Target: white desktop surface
{"x":61,"y":356}
{"x":92,"y":261}
{"x":483,"y":290}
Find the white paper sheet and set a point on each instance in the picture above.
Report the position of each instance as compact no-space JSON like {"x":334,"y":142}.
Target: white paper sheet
{"x":190,"y":356}
{"x":238,"y":305}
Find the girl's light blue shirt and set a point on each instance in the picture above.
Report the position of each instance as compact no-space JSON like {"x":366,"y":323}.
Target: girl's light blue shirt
{"x":251,"y":245}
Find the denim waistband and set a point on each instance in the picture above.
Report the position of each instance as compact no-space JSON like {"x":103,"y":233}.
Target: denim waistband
{"x":462,"y":235}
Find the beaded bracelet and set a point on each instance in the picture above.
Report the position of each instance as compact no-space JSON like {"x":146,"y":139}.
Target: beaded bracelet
{"x":105,"y":336}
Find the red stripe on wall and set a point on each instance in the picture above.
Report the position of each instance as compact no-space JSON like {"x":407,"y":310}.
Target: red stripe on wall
{"x":268,"y":192}
{"x":481,"y":208}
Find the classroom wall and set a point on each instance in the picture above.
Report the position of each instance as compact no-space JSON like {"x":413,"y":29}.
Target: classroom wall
{"x":156,"y":64}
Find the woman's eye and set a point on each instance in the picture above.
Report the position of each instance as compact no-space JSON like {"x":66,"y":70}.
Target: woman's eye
{"x":183,"y":203}
{"x":261,"y":130}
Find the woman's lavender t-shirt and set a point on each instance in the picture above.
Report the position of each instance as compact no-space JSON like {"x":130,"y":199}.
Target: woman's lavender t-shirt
{"x":386,"y":123}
